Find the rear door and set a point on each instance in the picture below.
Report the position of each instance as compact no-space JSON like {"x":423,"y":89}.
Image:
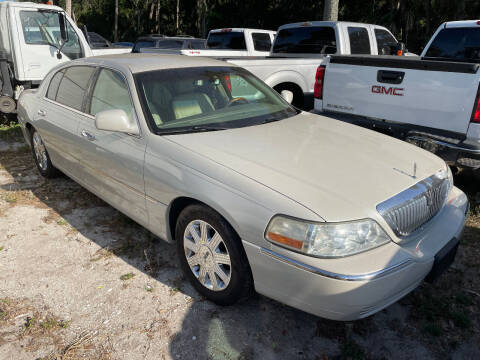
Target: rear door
{"x":59,"y":114}
{"x":359,"y":39}
{"x":402,"y":89}
{"x":113,"y":161}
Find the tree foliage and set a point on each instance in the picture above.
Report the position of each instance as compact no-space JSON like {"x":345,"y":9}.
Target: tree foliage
{"x":411,"y":21}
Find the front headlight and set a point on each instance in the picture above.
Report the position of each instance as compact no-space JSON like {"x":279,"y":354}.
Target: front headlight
{"x":326,"y":239}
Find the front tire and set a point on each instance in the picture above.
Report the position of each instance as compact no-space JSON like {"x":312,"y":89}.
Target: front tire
{"x":211,"y":255}
{"x":41,"y":157}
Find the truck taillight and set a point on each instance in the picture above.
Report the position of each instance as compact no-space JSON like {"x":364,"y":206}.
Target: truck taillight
{"x":476,"y":108}
{"x":318,"y":88}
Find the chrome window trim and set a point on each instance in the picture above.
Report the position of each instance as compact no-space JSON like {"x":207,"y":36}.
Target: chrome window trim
{"x":344,"y":277}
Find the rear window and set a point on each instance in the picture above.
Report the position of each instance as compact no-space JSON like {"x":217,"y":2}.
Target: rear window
{"x":306,"y":40}
{"x":197,"y":44}
{"x":226,"y":40}
{"x":170,"y":44}
{"x":261,"y":41}
{"x":461,"y":44}
{"x":359,"y":41}
{"x":143,"y":44}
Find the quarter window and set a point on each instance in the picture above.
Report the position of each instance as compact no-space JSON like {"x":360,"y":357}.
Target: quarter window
{"x":54,"y":83}
{"x":111,"y":92}
{"x":261,"y":41}
{"x":359,"y":41}
{"x":73,"y":86}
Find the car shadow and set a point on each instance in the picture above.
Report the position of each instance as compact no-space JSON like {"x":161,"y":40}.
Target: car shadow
{"x":257,"y":328}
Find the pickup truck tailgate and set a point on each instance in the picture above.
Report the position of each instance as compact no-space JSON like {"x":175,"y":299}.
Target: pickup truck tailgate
{"x":408,"y":90}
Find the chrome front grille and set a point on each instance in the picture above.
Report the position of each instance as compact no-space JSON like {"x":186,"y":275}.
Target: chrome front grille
{"x":415,"y":206}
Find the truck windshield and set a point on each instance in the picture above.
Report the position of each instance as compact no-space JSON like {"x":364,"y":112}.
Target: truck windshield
{"x":458,"y":44}
{"x":234,"y":40}
{"x":306,"y":40}
{"x":207,"y":99}
{"x":43,"y":28}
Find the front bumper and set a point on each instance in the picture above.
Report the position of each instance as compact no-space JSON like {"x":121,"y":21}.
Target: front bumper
{"x":357,"y":286}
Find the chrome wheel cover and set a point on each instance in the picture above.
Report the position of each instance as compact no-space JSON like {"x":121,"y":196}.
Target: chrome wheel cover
{"x":40,"y":151}
{"x":207,"y":255}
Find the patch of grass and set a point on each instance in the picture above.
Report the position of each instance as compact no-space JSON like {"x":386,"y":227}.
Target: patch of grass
{"x":10,"y":132}
{"x":3,"y":314}
{"x":149,"y":288}
{"x":433,"y":328}
{"x":461,"y":319}
{"x":1,"y":248}
{"x":128,"y":276}
{"x":64,"y":324}
{"x":49,"y":323}
{"x":11,"y":198}
{"x":30,"y":322}
{"x":62,"y":222}
{"x":4,"y":301}
{"x":351,"y":350}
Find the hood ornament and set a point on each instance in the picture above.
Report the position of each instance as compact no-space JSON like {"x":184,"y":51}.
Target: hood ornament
{"x":413,"y":176}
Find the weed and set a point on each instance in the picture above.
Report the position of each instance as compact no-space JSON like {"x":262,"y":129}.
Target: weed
{"x":149,"y":288}
{"x":30,"y":322}
{"x":461,"y":319}
{"x":64,"y":324}
{"x":351,"y":350}
{"x":128,"y":276}
{"x":464,"y":299}
{"x":3,"y":314}
{"x":11,"y":132}
{"x":1,"y":248}
{"x":49,"y":323}
{"x":174,"y":290}
{"x":62,"y":222}
{"x":433,"y":329}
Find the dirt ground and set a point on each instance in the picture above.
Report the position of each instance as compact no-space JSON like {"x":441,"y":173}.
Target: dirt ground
{"x":78,"y":280}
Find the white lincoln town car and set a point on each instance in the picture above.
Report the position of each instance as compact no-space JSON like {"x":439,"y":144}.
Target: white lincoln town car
{"x":325,"y":216}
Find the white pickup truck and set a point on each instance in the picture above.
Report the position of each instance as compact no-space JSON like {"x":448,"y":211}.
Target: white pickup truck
{"x":35,"y":38}
{"x":235,"y":42}
{"x":432,"y":101}
{"x":299,"y":49}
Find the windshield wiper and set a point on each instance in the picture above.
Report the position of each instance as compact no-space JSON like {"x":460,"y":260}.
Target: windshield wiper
{"x":192,"y":129}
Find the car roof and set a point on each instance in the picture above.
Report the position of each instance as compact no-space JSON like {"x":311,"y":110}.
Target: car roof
{"x":136,"y":63}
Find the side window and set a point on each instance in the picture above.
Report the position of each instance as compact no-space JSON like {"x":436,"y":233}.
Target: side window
{"x":43,"y":28}
{"x":111,"y":92}
{"x":261,"y":41}
{"x":53,"y":86}
{"x":384,"y":40}
{"x":359,"y":41}
{"x":73,"y":86}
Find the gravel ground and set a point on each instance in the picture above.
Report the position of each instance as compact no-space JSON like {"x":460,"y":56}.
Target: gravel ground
{"x":79,"y":280}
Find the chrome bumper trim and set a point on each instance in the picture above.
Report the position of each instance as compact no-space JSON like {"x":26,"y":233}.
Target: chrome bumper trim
{"x":361,"y":277}
{"x":443,"y":143}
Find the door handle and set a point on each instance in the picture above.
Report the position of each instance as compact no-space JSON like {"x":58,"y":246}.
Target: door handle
{"x":390,"y":77}
{"x":42,"y":112}
{"x":89,"y":136}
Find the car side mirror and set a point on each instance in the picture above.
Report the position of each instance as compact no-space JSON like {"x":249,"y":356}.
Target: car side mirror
{"x":116,"y":120}
{"x":287,"y":96}
{"x":398,"y":49}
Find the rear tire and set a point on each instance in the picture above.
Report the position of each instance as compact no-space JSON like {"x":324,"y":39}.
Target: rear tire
{"x":212,"y":256}
{"x":41,"y":157}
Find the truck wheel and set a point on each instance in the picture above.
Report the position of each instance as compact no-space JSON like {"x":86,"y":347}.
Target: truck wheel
{"x":41,"y":157}
{"x":212,"y":256}
{"x":298,"y":96}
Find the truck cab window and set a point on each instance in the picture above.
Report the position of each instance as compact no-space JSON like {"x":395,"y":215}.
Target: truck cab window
{"x":461,"y":44}
{"x":261,"y":41}
{"x":359,"y":41}
{"x":384,"y":41}
{"x":43,"y":28}
{"x":233,"y":40}
{"x":306,"y":40}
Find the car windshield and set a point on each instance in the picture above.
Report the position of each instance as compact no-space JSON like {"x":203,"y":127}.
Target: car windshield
{"x":207,"y":99}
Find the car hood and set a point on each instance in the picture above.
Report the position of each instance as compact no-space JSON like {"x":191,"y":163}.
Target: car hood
{"x":338,"y":170}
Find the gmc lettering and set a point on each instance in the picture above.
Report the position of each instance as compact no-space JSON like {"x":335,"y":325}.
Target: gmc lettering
{"x":376,"y":89}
